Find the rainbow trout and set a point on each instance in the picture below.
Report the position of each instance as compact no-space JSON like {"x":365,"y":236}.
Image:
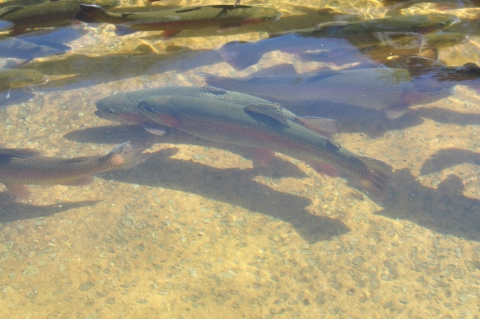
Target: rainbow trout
{"x":261,"y":127}
{"x":20,"y":78}
{"x":175,"y":20}
{"x":47,"y":14}
{"x":122,"y":107}
{"x":20,"y":167}
{"x":338,"y":35}
{"x":390,"y":89}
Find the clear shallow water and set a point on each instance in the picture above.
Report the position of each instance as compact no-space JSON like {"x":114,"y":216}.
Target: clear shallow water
{"x":197,"y":231}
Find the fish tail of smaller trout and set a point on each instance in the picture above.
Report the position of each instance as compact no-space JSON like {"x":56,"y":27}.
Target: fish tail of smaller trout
{"x":127,"y":155}
{"x":378,"y":177}
{"x":91,"y":13}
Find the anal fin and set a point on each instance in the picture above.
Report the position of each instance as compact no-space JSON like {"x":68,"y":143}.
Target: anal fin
{"x":263,"y":156}
{"x":324,"y":169}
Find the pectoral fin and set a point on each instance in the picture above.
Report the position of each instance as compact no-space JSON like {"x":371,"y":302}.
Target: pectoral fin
{"x":271,"y":110}
{"x":394,"y":112}
{"x":155,"y":129}
{"x":21,"y":191}
{"x":321,"y":125}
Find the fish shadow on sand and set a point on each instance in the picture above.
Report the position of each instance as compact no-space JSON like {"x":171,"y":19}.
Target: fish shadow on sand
{"x":447,"y":158}
{"x":11,"y":211}
{"x":117,"y":134}
{"x":234,"y":186}
{"x":447,"y":116}
{"x":444,"y":209}
{"x":351,"y":119}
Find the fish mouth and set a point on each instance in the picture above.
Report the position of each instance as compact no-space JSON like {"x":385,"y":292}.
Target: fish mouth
{"x":106,"y":116}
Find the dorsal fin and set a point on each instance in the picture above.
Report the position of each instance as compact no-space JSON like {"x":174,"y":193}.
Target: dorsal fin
{"x":10,"y":9}
{"x":274,"y":111}
{"x":19,"y":152}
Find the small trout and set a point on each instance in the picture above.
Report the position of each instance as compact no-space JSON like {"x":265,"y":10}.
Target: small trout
{"x":261,"y":127}
{"x":175,"y":20}
{"x":53,"y":13}
{"x":20,"y":78}
{"x":20,"y":167}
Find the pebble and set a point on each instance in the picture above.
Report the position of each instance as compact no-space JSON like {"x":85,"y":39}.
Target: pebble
{"x":358,"y":261}
{"x":193,"y":272}
{"x":30,"y":271}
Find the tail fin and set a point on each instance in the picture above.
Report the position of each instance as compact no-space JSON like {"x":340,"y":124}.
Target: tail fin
{"x":240,"y":54}
{"x":379,"y":177}
{"x":128,"y":155}
{"x":90,"y":13}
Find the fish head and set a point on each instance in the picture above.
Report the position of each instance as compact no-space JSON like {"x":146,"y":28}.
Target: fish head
{"x":432,"y":22}
{"x":118,"y":108}
{"x":160,"y":110}
{"x":26,"y":78}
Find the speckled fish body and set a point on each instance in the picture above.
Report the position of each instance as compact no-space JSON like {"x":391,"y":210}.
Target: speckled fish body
{"x":46,"y":14}
{"x":242,"y":125}
{"x":122,"y":107}
{"x":374,"y":88}
{"x":19,"y":78}
{"x":26,"y":167}
{"x":335,"y":36}
{"x":223,"y":16}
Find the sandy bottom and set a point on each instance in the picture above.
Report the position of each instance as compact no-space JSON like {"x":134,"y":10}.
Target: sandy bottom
{"x":198,"y":231}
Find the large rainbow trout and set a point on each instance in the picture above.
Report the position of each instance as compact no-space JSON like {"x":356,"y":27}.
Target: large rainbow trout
{"x":264,"y":127}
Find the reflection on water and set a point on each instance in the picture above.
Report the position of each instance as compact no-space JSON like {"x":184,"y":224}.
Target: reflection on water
{"x":202,"y":225}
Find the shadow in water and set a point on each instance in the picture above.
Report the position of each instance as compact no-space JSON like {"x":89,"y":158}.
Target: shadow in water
{"x":234,"y":186}
{"x":444,"y":210}
{"x":16,"y":97}
{"x":447,"y":158}
{"x":11,"y":211}
{"x":351,"y":119}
